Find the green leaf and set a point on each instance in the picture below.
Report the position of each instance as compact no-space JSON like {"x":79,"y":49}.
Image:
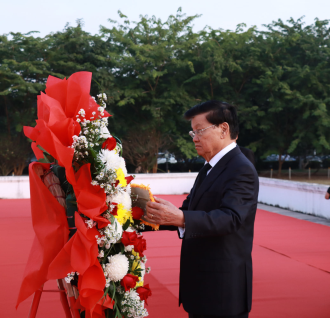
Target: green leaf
{"x":126,"y":224}
{"x":19,"y":127}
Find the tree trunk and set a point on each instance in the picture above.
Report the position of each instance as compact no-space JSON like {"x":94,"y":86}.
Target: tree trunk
{"x":280,"y":163}
{"x":18,"y":170}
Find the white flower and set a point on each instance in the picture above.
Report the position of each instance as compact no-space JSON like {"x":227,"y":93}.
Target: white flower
{"x":117,"y":267}
{"x":104,"y":132}
{"x":68,"y":280}
{"x":100,"y":240}
{"x":103,"y":96}
{"x":112,"y":160}
{"x":121,"y":197}
{"x":90,"y":223}
{"x":101,"y":254}
{"x":113,"y":232}
{"x":133,"y":306}
{"x":129,"y":248}
{"x":107,"y":282}
{"x":81,"y":112}
{"x":143,"y":272}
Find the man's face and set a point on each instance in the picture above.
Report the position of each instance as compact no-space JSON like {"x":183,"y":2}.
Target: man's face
{"x":210,"y":143}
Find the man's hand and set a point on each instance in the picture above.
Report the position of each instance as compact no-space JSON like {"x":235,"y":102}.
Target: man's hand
{"x":164,"y":213}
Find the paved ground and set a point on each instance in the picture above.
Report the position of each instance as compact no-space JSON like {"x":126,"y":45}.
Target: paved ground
{"x":297,"y":215}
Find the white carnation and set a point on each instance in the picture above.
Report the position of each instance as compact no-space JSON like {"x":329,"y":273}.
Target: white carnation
{"x":121,"y":197}
{"x":128,"y":189}
{"x":112,"y":160}
{"x":117,"y":267}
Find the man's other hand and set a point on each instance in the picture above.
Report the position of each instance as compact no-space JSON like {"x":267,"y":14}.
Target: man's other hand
{"x":164,"y":213}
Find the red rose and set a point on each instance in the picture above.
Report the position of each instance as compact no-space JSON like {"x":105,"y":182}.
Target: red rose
{"x":129,"y":238}
{"x":144,"y":292}
{"x":129,"y":179}
{"x":110,"y":143}
{"x":114,"y":210}
{"x":140,"y":245}
{"x":137,"y":213}
{"x":129,"y":281}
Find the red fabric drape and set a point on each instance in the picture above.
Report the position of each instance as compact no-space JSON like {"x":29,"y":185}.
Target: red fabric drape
{"x":51,"y":232}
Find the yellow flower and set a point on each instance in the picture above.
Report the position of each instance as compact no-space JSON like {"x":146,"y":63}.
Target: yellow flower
{"x":136,"y":254}
{"x":136,"y":265}
{"x":123,"y":215}
{"x":121,"y":177}
{"x":140,"y":283}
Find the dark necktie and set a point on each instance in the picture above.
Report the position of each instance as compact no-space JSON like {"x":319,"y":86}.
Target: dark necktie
{"x":202,"y":175}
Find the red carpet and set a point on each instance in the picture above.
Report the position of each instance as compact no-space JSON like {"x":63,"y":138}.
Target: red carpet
{"x":291,"y":267}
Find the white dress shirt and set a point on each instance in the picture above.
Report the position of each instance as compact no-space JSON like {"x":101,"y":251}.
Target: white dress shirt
{"x":213,"y":162}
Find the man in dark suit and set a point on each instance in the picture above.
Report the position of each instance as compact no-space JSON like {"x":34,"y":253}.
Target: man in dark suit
{"x":216,"y":220}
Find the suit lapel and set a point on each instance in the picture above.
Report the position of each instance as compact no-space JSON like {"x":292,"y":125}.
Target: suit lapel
{"x":212,"y":176}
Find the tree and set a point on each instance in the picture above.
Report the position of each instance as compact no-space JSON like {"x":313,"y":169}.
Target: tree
{"x":23,"y":73}
{"x":294,"y":89}
{"x":150,"y":66}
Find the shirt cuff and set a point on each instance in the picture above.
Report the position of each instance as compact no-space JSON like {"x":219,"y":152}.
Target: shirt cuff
{"x":181,"y":231}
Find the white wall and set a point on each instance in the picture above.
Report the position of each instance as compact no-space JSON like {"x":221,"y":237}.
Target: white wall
{"x":167,"y":183}
{"x":14,"y":187}
{"x":296,"y":196}
{"x":160,"y":183}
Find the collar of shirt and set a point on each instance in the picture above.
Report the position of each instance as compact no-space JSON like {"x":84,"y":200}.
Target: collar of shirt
{"x":220,"y":154}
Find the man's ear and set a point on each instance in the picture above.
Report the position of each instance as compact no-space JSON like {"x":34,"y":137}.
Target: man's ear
{"x":225,"y":130}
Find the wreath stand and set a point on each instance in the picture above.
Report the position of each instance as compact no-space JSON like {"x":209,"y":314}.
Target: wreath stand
{"x":67,"y":295}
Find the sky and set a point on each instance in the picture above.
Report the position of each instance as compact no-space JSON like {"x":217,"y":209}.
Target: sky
{"x":51,"y":16}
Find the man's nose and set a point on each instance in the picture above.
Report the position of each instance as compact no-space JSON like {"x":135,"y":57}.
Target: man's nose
{"x":196,"y":138}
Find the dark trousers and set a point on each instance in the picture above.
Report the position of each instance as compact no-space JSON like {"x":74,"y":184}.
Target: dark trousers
{"x":243,"y":315}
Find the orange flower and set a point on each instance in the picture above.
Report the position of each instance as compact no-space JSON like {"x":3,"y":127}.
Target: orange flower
{"x":142,"y":186}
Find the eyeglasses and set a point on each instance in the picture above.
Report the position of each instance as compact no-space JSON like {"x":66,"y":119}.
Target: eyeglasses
{"x":198,"y":132}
